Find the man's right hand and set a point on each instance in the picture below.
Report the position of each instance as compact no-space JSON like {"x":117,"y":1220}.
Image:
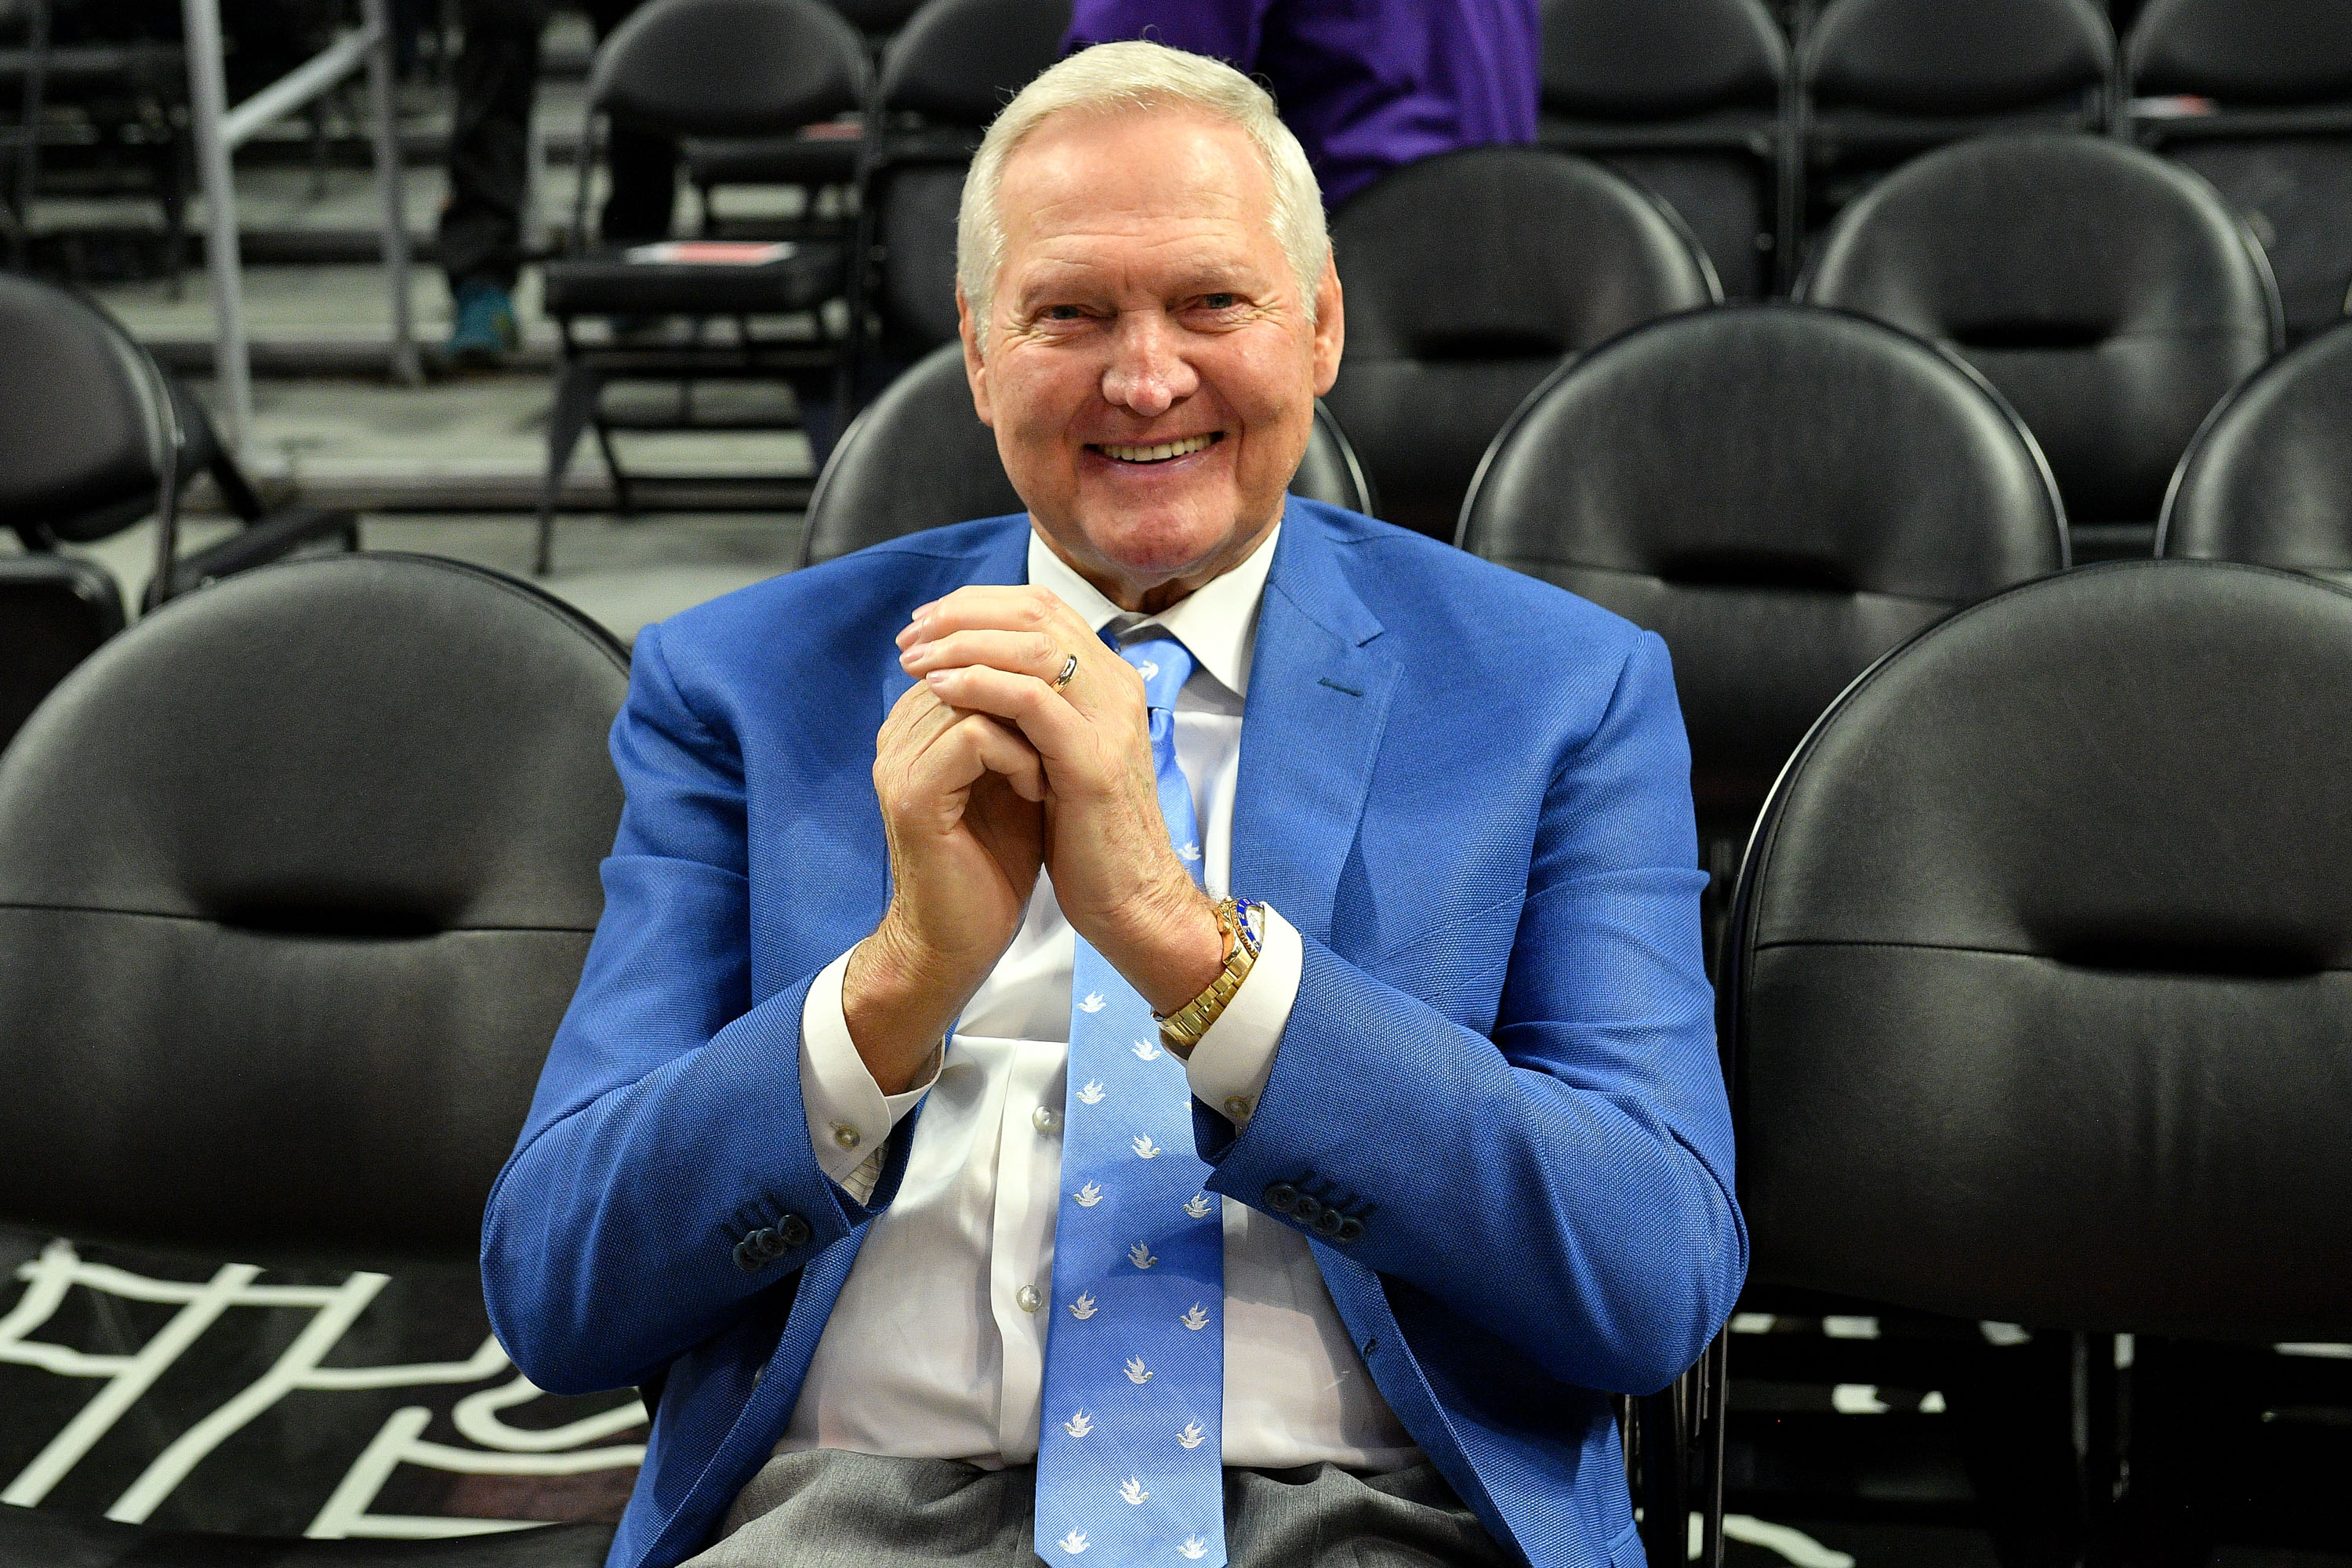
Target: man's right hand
{"x":960,"y":794}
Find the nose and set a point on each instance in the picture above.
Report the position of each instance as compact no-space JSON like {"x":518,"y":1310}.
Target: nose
{"x":1147,"y":374}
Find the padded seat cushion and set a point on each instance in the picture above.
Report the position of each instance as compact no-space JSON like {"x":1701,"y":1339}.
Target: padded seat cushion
{"x":609,"y":285}
{"x":2044,"y":966}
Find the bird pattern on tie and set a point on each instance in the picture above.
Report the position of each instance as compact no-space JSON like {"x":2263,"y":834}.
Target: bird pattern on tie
{"x":1128,"y":1464}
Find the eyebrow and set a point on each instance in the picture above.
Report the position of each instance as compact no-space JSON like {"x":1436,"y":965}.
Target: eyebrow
{"x":1061,"y":277}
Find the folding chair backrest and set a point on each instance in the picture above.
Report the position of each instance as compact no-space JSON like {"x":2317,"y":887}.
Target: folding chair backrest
{"x":85,"y":423}
{"x":729,"y":68}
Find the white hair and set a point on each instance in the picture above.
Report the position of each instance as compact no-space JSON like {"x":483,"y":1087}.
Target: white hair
{"x":1110,"y":79}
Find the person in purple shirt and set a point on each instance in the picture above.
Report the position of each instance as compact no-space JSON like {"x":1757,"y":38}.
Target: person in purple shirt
{"x":1366,"y":85}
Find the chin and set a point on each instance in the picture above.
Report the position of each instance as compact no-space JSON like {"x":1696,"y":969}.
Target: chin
{"x":1162,"y":541}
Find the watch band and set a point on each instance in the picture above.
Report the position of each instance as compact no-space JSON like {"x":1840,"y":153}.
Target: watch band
{"x":1181,"y":1030}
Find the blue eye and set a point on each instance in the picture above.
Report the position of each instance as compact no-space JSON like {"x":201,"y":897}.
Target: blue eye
{"x":1220,"y":301}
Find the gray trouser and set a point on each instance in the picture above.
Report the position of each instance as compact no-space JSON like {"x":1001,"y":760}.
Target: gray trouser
{"x":830,"y":1509}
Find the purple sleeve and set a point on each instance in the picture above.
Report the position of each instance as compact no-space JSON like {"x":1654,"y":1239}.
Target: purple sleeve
{"x":1223,"y":29}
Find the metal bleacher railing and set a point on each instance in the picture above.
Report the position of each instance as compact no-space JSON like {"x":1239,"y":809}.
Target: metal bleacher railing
{"x":221,"y":129}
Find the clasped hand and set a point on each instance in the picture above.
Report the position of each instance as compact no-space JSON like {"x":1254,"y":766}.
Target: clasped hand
{"x":988,"y":772}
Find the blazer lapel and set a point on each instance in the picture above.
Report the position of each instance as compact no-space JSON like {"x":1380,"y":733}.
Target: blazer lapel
{"x":1318,"y":700}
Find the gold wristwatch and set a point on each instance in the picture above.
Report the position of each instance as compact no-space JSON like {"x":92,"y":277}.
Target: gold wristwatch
{"x":1181,"y":1030}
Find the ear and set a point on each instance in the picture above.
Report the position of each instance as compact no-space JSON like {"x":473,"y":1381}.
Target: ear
{"x":1330,"y":328}
{"x":975,"y":369}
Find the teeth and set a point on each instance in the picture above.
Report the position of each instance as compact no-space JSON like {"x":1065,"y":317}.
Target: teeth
{"x":1159,"y":454}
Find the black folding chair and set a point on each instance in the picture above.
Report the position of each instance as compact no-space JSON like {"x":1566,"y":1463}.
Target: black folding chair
{"x":728,"y":68}
{"x":283,"y":941}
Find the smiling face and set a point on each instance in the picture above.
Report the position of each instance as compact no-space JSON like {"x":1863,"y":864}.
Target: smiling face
{"x":1150,"y":369}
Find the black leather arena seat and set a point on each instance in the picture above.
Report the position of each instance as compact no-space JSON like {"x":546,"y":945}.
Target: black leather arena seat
{"x":1684,"y":97}
{"x":919,"y":457}
{"x":2268,"y":87}
{"x":1883,"y":80}
{"x":2111,"y":297}
{"x":55,"y":611}
{"x":1469,"y":277}
{"x":2040,"y":992}
{"x":1783,"y":494}
{"x":2268,"y":480}
{"x":296,"y":879}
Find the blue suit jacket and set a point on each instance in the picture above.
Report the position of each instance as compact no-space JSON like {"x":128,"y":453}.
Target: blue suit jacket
{"x":1468,"y":791}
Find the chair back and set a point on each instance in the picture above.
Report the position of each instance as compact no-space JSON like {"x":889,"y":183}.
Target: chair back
{"x":2112,"y":297}
{"x":1929,"y":59}
{"x":2041,"y":981}
{"x":943,"y":78}
{"x":919,"y":457}
{"x":1684,"y":98}
{"x":1882,"y":81}
{"x":296,"y":881}
{"x":1746,"y":483}
{"x":1469,"y":277}
{"x":1671,"y":60}
{"x":2271,"y":82}
{"x":86,"y":430}
{"x":729,"y":68}
{"x":957,"y":62}
{"x":2243,"y":53}
{"x":2268,"y":480}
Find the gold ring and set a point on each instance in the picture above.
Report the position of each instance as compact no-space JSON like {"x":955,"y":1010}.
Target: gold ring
{"x":1069,"y":670}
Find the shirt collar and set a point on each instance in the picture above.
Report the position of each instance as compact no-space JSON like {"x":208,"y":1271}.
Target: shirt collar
{"x":1217,"y":621}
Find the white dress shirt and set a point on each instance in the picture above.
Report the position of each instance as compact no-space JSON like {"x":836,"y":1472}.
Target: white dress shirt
{"x":935,"y":1347}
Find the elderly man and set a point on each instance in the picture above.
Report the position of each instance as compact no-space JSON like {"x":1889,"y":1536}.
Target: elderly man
{"x":1169,"y":1029}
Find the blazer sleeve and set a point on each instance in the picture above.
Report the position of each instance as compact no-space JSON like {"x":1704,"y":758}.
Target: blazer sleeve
{"x":665,"y":1174}
{"x":1567,"y":1184}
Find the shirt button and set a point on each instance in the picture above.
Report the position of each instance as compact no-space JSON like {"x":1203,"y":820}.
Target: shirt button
{"x":846,"y":1135}
{"x":1045,"y":1119}
{"x":1029,"y":1298}
{"x":1237,"y":1108}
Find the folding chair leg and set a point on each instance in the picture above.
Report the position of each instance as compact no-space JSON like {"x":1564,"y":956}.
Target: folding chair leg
{"x":1710,"y":1410}
{"x":1665,"y":1475}
{"x":624,"y":501}
{"x":576,"y":390}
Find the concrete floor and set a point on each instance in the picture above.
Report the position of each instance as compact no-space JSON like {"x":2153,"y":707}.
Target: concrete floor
{"x":623,"y":575}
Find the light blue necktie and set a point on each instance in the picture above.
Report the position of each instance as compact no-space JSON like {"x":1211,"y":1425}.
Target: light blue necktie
{"x":1130,"y":1463}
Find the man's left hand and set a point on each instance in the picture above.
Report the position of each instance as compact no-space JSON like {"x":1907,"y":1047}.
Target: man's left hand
{"x":998,"y":650}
